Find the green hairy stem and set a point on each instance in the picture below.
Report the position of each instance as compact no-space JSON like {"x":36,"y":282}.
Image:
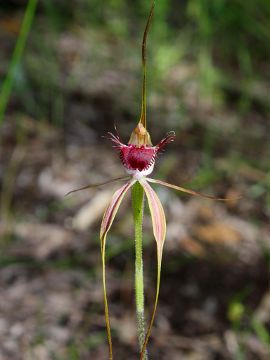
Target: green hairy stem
{"x":138,"y":206}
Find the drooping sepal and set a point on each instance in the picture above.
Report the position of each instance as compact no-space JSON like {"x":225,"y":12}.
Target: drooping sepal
{"x":106,"y":224}
{"x":157,"y":215}
{"x":112,"y":208}
{"x":159,"y":230}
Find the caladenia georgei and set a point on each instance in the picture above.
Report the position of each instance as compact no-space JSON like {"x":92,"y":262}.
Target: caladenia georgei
{"x":138,"y":158}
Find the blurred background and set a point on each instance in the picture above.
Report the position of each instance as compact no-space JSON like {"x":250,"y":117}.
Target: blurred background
{"x":79,"y":74}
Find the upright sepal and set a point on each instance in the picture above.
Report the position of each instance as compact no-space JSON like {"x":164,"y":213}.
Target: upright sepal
{"x":144,"y":43}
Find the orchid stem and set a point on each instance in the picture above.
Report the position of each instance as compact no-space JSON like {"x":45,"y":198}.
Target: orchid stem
{"x":138,"y":207}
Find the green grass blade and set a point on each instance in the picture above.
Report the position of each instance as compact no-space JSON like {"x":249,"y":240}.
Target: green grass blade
{"x":16,"y":56}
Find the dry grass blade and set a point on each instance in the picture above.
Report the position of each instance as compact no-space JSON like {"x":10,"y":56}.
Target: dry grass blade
{"x":91,"y":186}
{"x":191,"y":192}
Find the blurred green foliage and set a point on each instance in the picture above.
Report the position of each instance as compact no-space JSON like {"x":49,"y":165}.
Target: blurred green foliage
{"x":16,"y":56}
{"x":236,"y":32}
{"x":228,"y":40}
{"x":233,"y":39}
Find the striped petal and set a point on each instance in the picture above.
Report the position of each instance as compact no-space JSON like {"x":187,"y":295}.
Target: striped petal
{"x":159,"y":230}
{"x":106,"y":224}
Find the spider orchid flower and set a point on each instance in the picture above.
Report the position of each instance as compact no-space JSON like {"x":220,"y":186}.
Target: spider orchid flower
{"x":138,"y":158}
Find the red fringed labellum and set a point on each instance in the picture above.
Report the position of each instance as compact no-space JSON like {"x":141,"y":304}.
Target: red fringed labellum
{"x":138,"y":158}
{"x":139,"y":161}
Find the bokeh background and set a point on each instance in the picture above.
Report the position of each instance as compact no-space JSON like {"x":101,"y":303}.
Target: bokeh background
{"x":78,"y":76}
